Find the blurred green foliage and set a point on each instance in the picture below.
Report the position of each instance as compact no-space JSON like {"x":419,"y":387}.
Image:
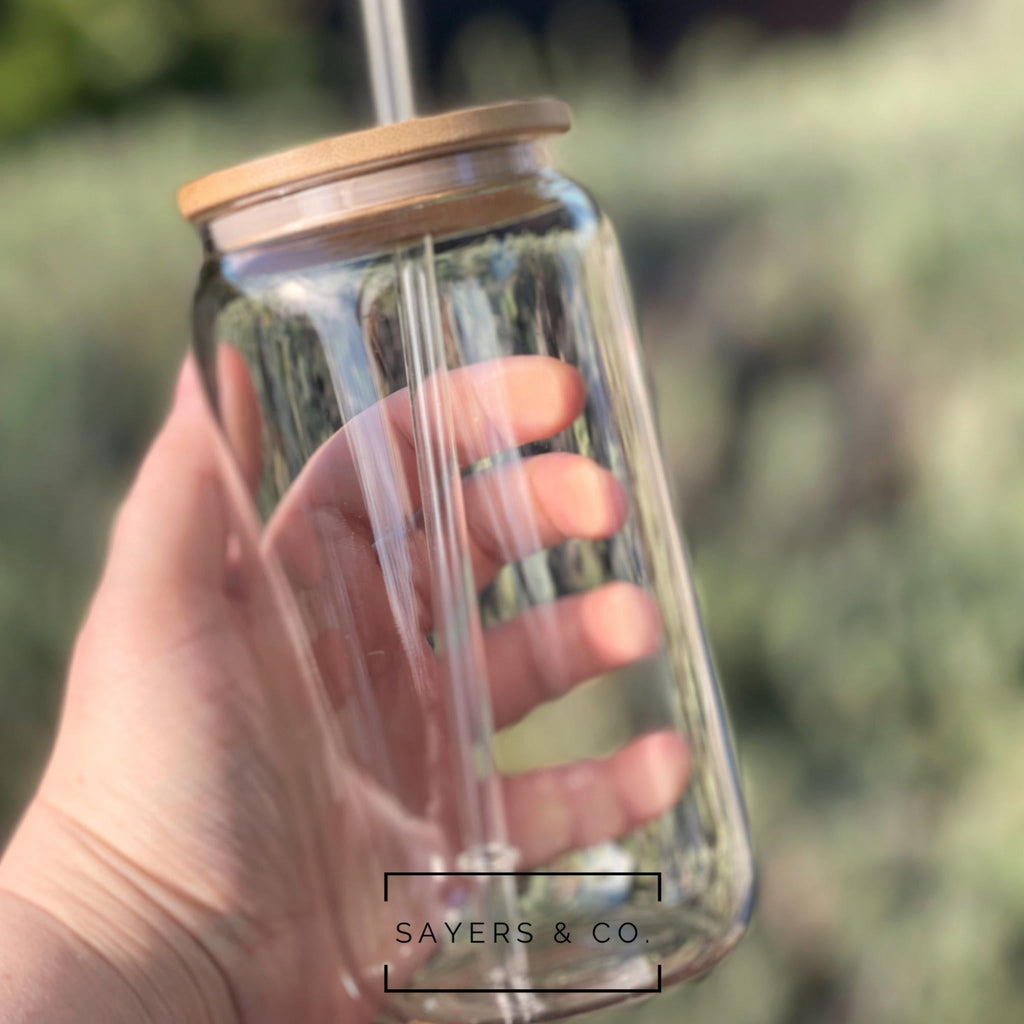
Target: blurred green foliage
{"x":66,"y":57}
{"x":826,"y":237}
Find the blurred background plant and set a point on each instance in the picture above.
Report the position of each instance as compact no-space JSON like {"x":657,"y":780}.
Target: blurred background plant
{"x":822,"y":211}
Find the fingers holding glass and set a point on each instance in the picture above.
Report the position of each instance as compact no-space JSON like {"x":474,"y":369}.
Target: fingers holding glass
{"x":573,"y":806}
{"x":495,"y":406}
{"x":327,"y":532}
{"x":527,"y":505}
{"x":543,"y":652}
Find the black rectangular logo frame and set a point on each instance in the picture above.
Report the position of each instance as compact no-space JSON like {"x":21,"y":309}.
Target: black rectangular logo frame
{"x":521,"y":874}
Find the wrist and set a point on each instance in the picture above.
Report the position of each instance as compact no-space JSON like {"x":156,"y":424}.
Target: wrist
{"x":80,"y":941}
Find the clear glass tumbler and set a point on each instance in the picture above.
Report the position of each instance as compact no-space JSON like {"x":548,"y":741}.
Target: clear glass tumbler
{"x":419,"y":346}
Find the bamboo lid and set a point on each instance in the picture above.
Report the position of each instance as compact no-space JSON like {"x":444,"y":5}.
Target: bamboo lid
{"x":344,"y":156}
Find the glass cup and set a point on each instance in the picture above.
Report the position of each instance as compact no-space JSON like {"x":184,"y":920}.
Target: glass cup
{"x":496,"y":709}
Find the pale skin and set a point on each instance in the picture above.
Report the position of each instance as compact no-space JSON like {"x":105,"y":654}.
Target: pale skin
{"x":167,"y":868}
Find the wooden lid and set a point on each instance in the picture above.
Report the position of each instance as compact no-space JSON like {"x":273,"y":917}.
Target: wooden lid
{"x":343,"y":156}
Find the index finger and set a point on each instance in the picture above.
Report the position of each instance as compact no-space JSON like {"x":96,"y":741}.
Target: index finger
{"x":496,"y":405}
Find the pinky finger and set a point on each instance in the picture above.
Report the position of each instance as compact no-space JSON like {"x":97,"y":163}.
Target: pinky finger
{"x":554,"y":810}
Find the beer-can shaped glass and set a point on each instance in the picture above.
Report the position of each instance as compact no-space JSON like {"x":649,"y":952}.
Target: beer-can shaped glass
{"x":418,"y":344}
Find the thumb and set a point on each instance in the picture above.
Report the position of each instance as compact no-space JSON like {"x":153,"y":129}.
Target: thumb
{"x":171,"y":532}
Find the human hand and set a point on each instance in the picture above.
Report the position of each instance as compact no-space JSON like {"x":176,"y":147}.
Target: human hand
{"x":188,"y":838}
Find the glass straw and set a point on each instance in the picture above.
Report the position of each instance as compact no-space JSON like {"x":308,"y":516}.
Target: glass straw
{"x":481,"y":813}
{"x":384,"y":24}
